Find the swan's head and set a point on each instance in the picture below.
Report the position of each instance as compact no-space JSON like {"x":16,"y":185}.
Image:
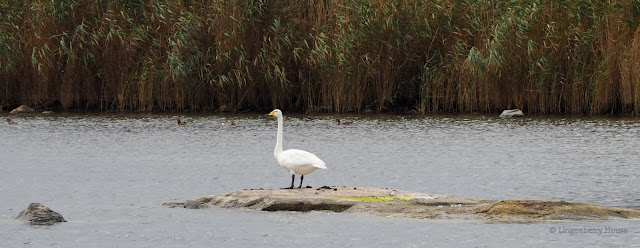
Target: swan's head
{"x":276,"y":113}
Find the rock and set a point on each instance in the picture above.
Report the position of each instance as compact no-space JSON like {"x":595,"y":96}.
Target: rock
{"x":173,"y":204}
{"x":512,"y":113}
{"x":552,"y":210}
{"x":48,"y":112}
{"x":401,"y":203}
{"x":37,"y":214}
{"x":22,"y":109}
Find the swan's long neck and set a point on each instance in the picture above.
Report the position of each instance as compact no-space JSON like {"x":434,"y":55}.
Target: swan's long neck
{"x":278,"y":149}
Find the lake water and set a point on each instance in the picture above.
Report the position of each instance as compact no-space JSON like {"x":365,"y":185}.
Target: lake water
{"x":107,"y":175}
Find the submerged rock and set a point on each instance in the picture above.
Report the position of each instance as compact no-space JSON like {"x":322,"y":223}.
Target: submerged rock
{"x":22,"y":109}
{"x":391,"y":202}
{"x":38,"y":214}
{"x":512,"y":113}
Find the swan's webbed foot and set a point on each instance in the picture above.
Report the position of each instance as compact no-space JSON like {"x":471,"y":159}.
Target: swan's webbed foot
{"x":293,"y":177}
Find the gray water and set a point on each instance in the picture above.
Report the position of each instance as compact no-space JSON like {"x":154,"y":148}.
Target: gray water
{"x":107,"y":176}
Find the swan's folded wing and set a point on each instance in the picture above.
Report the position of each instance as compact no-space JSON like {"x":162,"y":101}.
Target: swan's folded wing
{"x":301,"y":161}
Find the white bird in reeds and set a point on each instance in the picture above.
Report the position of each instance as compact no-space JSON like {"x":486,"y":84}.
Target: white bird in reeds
{"x":293,"y":160}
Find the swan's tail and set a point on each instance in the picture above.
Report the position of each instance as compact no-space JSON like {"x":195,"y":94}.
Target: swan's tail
{"x":320,"y":166}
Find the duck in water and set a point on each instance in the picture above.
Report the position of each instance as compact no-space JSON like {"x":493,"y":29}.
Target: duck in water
{"x":343,"y":122}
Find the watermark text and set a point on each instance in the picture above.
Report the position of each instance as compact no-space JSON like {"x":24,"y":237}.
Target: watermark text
{"x":588,"y":230}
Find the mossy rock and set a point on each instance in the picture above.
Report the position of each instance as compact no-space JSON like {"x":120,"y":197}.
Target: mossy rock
{"x":553,"y":210}
{"x":38,"y":214}
{"x":400,"y":203}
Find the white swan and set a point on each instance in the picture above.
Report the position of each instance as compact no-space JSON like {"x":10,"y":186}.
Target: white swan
{"x":293,"y":160}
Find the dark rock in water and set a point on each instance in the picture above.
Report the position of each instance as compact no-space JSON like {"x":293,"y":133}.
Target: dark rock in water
{"x":512,"y":113}
{"x":37,"y":214}
{"x":22,"y":109}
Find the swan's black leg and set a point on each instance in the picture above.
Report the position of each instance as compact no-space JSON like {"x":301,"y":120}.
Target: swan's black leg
{"x":301,"y":178}
{"x":293,"y":177}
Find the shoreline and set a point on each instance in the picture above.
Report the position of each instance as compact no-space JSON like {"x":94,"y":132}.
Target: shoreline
{"x":157,"y":114}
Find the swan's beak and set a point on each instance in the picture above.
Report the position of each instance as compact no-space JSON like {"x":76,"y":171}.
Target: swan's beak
{"x":271,"y":114}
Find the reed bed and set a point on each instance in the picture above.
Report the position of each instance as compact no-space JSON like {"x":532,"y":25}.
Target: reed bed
{"x":431,"y":56}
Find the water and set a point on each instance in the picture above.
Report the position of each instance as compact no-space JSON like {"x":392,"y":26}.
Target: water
{"x":107,"y":174}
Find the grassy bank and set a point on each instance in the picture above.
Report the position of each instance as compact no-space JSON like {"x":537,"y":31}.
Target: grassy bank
{"x":579,"y":57}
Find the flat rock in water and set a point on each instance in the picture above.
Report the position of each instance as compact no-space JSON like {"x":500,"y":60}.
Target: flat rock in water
{"x":38,"y":214}
{"x":401,"y":203}
{"x":511,"y":113}
{"x":22,"y":109}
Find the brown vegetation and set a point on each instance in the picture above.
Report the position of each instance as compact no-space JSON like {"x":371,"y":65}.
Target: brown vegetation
{"x":580,"y":57}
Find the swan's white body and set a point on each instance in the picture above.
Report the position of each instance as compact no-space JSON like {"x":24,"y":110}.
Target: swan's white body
{"x":299,"y":162}
{"x":293,"y":160}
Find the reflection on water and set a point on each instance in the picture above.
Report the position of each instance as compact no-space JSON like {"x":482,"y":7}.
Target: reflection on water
{"x":106,"y":175}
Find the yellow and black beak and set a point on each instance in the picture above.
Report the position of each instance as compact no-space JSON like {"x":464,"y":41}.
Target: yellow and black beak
{"x":272,"y":113}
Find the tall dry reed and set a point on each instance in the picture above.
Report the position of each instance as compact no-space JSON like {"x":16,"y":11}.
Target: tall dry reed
{"x":578,"y":57}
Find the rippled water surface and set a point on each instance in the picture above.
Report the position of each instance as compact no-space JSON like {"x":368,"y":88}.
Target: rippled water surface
{"x":107,"y":174}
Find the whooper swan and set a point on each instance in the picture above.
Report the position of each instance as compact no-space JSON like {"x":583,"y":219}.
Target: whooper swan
{"x":293,"y":160}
